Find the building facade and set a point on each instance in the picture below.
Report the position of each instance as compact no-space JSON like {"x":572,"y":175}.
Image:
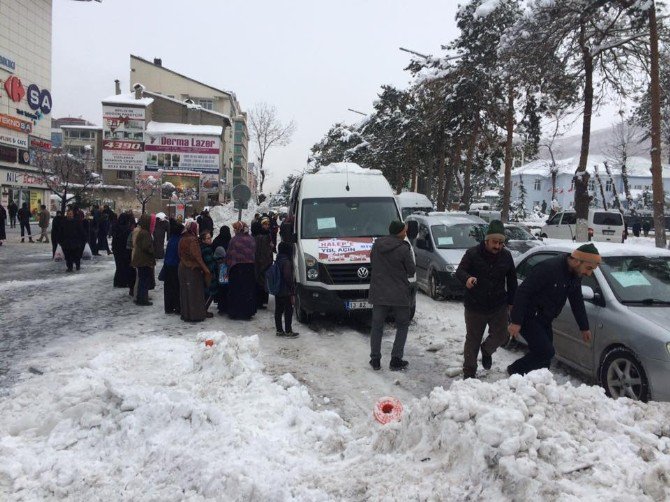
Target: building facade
{"x":536,"y":179}
{"x":25,"y":99}
{"x":158,"y":79}
{"x":153,"y":139}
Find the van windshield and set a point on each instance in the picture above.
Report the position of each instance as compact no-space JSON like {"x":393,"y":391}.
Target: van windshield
{"x":459,"y":236}
{"x":350,"y":217}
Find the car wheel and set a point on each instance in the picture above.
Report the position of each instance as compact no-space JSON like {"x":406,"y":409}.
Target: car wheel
{"x":622,"y":375}
{"x":433,"y":290}
{"x":301,"y":314}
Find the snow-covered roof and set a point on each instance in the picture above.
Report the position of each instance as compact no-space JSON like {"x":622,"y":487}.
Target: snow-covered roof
{"x":174,"y":128}
{"x":126,"y":99}
{"x":188,"y":105}
{"x":636,"y":166}
{"x":490,"y":193}
{"x":87,"y":127}
{"x":413,"y":199}
{"x":346,"y":167}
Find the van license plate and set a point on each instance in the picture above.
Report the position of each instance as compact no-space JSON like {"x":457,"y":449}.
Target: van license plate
{"x":608,"y":232}
{"x":357,"y":305}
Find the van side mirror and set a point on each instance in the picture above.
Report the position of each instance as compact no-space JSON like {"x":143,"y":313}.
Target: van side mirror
{"x":412,"y":229}
{"x":421,"y":244}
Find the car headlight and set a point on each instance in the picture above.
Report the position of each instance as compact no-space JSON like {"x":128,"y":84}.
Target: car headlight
{"x":311,"y":267}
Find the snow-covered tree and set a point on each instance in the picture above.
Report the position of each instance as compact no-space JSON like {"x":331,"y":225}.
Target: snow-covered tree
{"x":146,"y":186}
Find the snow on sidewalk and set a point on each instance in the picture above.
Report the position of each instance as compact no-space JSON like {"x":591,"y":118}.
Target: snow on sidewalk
{"x":160,"y":418}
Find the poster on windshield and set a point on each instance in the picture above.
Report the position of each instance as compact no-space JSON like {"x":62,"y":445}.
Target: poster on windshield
{"x":347,"y":250}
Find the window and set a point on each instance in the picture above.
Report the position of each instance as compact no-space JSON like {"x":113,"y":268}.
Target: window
{"x":569,"y":219}
{"x":207,"y":104}
{"x":638,"y":279}
{"x":527,"y":265}
{"x":351,"y":217}
{"x":538,"y":184}
{"x":71,"y":134}
{"x":608,"y":185}
{"x":554,"y":220}
{"x":124,"y":175}
{"x":459,"y":236}
{"x":592,"y":185}
{"x":612,"y":219}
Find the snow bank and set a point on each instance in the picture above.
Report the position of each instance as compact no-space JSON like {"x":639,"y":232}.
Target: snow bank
{"x":226,"y":214}
{"x":344,"y":167}
{"x":164,"y":419}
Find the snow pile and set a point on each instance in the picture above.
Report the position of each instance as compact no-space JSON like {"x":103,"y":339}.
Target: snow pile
{"x":163,"y":419}
{"x":531,"y":439}
{"x":226,"y":214}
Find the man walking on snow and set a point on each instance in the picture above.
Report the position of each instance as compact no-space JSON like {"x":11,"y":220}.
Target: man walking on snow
{"x":484,"y":270}
{"x":43,"y":222}
{"x":390,"y":292}
{"x":541,"y":297}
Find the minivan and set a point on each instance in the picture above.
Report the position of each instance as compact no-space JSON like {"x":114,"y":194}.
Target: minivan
{"x":440,"y":243}
{"x":604,"y":225}
{"x":337,"y":214}
{"x":412,"y":202}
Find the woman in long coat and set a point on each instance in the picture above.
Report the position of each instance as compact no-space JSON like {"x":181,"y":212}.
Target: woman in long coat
{"x":72,"y":239}
{"x":263,"y":260}
{"x":240,"y":258}
{"x":161,"y":229}
{"x":124,"y":276}
{"x":193,"y":275}
{"x":3,"y":220}
{"x":171,"y":270}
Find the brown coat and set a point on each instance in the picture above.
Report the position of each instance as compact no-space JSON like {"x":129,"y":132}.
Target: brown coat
{"x":143,"y":247}
{"x":189,"y":253}
{"x":45,"y":217}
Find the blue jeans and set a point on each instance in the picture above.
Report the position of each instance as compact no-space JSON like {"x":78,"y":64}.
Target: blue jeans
{"x":379,"y":315}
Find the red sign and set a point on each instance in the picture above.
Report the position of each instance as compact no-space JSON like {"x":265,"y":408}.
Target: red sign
{"x":128,"y":146}
{"x":14,"y":88}
{"x":40,"y":144}
{"x":9,"y":122}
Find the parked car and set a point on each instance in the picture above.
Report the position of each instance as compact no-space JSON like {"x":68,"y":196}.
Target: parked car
{"x":604,"y":225}
{"x":412,"y":202}
{"x":519,"y":239}
{"x":440,"y":243}
{"x":628,"y":305}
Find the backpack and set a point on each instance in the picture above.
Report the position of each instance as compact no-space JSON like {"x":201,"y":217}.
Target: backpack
{"x":273,"y":278}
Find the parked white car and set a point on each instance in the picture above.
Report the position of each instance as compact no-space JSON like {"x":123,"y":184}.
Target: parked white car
{"x":604,"y":225}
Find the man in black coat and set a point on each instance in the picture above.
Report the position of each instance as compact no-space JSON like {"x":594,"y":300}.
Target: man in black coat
{"x":13,"y":210}
{"x":540,"y":299}
{"x":205,"y":222}
{"x":24,"y":222}
{"x":485,"y":270}
{"x":390,"y":292}
{"x":72,"y":239}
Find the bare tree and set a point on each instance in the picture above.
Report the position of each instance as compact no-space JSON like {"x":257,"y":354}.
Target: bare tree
{"x":146,"y":186}
{"x":600,"y":186}
{"x":625,"y":143}
{"x":266,"y":132}
{"x":67,"y":176}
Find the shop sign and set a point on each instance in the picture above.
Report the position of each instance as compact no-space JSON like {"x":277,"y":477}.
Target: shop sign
{"x":123,"y":138}
{"x":17,"y":178}
{"x":14,"y":88}
{"x":39,"y":99}
{"x":7,"y":139}
{"x":193,"y":153}
{"x":7,"y":64}
{"x":39,"y":144}
{"x":9,"y":122}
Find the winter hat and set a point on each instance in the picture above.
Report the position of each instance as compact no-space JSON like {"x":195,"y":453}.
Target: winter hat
{"x":496,"y":230}
{"x":161,"y":216}
{"x":396,"y":227}
{"x":265,"y":220}
{"x":587,"y":252}
{"x":219,"y":252}
{"x":238,"y":226}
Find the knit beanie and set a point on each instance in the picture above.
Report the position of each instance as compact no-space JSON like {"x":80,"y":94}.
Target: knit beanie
{"x":396,"y":227}
{"x":496,"y":230}
{"x":587,"y":252}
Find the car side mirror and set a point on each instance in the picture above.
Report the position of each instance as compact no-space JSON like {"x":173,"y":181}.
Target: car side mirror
{"x":421,"y":244}
{"x":412,"y":229}
{"x":588,"y":293}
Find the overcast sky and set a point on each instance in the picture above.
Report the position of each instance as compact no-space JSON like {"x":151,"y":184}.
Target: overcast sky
{"x":312,"y":59}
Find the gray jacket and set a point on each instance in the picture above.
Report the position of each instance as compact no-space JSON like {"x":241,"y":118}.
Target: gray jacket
{"x":392,"y":264}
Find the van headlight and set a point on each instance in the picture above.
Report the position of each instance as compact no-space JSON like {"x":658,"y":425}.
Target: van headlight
{"x":311,"y":267}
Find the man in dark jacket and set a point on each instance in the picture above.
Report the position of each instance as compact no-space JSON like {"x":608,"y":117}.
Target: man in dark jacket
{"x":390,"y":292}
{"x":24,"y":221}
{"x":143,"y":260}
{"x":13,"y":210}
{"x":71,"y":237}
{"x":205,"y":222}
{"x":484,"y":270}
{"x":56,"y":225}
{"x":540,"y":299}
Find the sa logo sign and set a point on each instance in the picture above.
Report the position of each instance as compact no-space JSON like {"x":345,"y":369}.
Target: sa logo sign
{"x":39,"y":99}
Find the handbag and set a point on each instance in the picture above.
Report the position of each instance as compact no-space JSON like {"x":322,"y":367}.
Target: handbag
{"x":223,"y":274}
{"x":58,"y":255}
{"x":87,"y":254}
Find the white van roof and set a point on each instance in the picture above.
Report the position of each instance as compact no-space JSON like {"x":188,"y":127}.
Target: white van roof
{"x":413,"y":199}
{"x":332,"y":181}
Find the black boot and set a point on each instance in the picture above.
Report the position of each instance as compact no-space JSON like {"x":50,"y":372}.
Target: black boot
{"x":487,"y":361}
{"x":376,"y":364}
{"x":397,"y":364}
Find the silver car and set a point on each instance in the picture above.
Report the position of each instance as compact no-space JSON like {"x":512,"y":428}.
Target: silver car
{"x":628,"y":305}
{"x":441,"y":241}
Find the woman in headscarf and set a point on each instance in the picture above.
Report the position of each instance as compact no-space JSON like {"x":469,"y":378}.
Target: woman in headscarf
{"x":124,"y":272}
{"x":223,"y":239}
{"x":240,"y":258}
{"x":263,"y":260}
{"x":193,"y":275}
{"x":211,"y":288}
{"x":171,"y":270}
{"x":161,"y":229}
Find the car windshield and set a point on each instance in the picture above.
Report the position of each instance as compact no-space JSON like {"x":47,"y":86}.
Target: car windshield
{"x":517,"y":234}
{"x":459,"y":236}
{"x":638,"y":279}
{"x":347,"y":217}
